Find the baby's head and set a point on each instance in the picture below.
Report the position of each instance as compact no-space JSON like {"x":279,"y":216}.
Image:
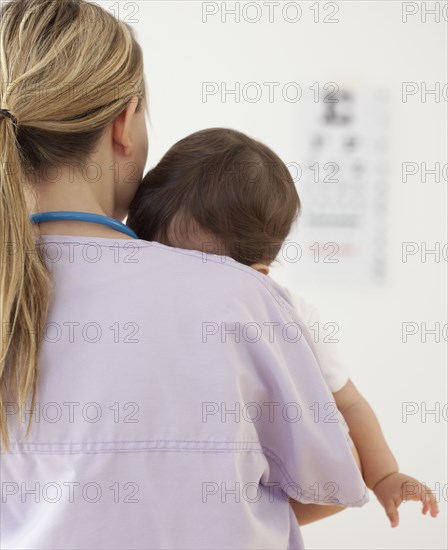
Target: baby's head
{"x":220,"y":192}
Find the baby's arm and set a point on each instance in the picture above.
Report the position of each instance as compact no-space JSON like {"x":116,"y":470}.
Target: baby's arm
{"x":307,"y":513}
{"x":378,"y":464}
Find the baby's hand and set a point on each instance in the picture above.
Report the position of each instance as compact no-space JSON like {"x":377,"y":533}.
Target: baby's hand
{"x":396,"y":488}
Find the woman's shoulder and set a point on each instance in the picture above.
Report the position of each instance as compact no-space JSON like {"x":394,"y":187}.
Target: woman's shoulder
{"x":143,"y":267}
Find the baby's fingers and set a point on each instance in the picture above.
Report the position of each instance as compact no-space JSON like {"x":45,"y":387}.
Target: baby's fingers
{"x":392,"y":513}
{"x":430,"y":503}
{"x":419,"y":491}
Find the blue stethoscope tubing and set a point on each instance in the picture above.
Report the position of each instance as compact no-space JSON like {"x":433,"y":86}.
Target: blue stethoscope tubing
{"x":83,"y":217}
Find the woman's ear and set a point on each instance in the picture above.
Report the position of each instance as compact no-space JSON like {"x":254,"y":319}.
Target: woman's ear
{"x":261,"y":268}
{"x":121,"y":131}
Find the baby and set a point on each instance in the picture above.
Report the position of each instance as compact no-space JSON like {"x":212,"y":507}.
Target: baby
{"x":222,"y":192}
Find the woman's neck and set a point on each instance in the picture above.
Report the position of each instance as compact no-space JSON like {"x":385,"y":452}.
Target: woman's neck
{"x":79,"y":229}
{"x":71,"y":192}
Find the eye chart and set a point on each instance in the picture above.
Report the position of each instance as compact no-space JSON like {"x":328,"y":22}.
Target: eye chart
{"x":342,"y":147}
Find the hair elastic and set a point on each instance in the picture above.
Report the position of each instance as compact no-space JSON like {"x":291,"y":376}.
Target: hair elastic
{"x":6,"y":113}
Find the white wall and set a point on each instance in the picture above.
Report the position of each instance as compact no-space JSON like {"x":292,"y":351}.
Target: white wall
{"x":369,"y":47}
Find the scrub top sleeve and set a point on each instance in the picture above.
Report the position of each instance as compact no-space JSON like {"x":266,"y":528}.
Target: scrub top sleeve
{"x":305,"y":438}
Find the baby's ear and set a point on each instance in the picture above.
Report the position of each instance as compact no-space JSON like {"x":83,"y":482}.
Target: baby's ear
{"x":261,"y":268}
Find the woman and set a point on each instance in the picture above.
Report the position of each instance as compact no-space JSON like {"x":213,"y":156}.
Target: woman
{"x":137,"y":408}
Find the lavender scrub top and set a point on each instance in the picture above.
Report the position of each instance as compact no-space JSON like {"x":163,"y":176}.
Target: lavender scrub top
{"x":178,"y":406}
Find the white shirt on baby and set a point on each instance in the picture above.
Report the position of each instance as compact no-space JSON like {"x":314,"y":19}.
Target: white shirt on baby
{"x":322,"y":342}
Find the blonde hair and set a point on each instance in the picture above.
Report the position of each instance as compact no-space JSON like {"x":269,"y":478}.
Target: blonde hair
{"x":67,"y":69}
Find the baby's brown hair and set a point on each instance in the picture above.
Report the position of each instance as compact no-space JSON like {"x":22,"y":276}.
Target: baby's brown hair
{"x":221,"y":192}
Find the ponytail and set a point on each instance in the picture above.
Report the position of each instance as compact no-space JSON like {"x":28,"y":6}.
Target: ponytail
{"x":24,"y":285}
